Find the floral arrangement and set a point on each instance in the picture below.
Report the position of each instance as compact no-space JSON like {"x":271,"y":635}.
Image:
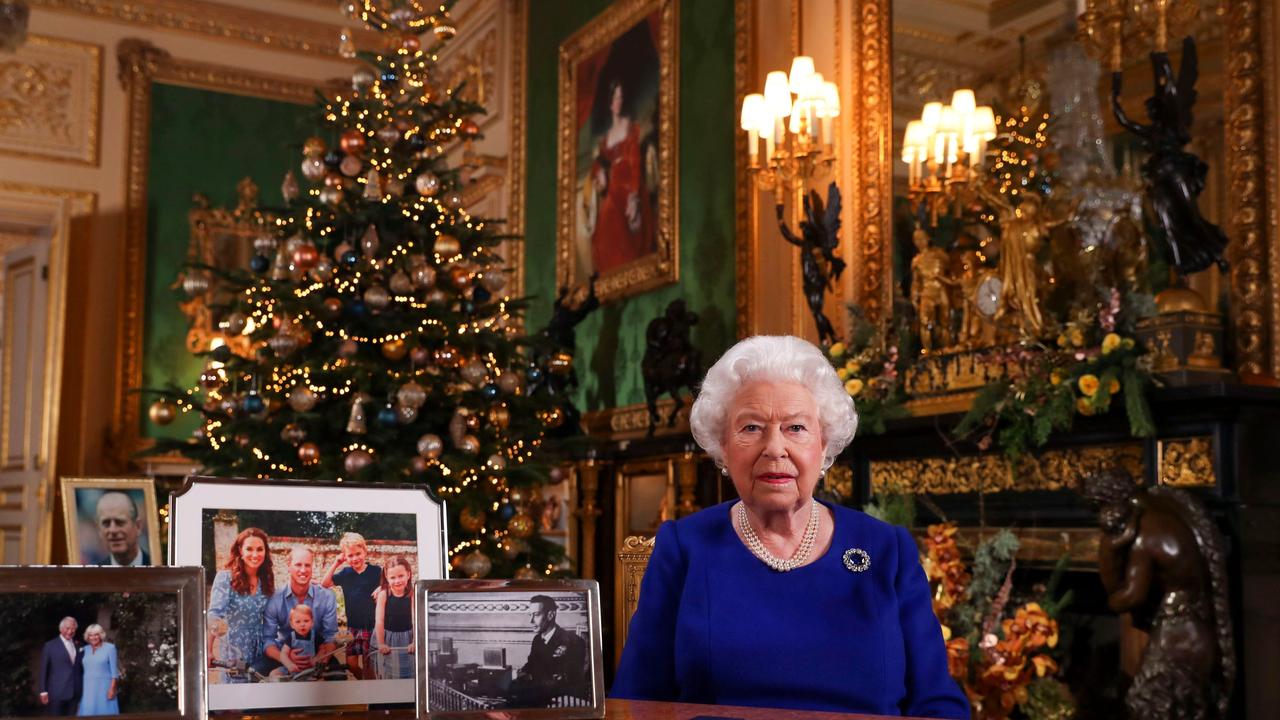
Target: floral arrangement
{"x":1002,"y":659}
{"x":870,"y":369}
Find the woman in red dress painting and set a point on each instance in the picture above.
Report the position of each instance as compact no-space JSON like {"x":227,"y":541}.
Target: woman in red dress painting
{"x":624,"y":219}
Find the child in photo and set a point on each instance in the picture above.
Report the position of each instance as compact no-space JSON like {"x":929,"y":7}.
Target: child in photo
{"x":301,"y":636}
{"x":360,"y":581}
{"x":393,"y":622}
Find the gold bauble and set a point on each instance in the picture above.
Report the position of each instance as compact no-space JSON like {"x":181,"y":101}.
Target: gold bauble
{"x":308,"y":453}
{"x":525,"y":573}
{"x":520,"y":525}
{"x":313,"y":147}
{"x":499,"y":416}
{"x":476,"y":564}
{"x":471,"y":520}
{"x":162,"y":412}
{"x":470,"y":444}
{"x":447,"y":246}
{"x":394,"y":350}
{"x":510,"y":548}
{"x":1180,"y":299}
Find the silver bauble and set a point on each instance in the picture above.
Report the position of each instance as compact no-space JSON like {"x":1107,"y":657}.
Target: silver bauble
{"x":323,"y":270}
{"x":362,"y":79}
{"x":402,"y":16}
{"x":424,"y":276}
{"x":476,"y":564}
{"x":265,"y":244}
{"x":283,"y":344}
{"x":406,"y":414}
{"x":411,"y":394}
{"x":351,"y":166}
{"x":313,"y":169}
{"x":427,"y":184}
{"x":493,"y":280}
{"x":357,"y":460}
{"x":195,"y":284}
{"x":370,"y":242}
{"x":430,"y":446}
{"x":470,"y":444}
{"x":509,"y":382}
{"x":496,"y":462}
{"x":400,"y":283}
{"x":293,"y":434}
{"x":348,"y":349}
{"x":474,"y":372}
{"x":330,"y":195}
{"x":236,"y":322}
{"x":452,"y":200}
{"x":388,"y":134}
{"x":302,"y":398}
{"x":376,"y":297}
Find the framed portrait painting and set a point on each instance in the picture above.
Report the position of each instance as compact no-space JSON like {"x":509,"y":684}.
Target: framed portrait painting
{"x":617,"y":175}
{"x":111,"y":521}
{"x":310,"y":587}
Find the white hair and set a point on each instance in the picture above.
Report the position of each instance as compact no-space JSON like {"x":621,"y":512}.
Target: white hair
{"x":773,"y":358}
{"x":95,"y":629}
{"x":68,"y":620}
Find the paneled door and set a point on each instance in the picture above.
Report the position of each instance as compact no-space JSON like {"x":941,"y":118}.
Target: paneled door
{"x":24,"y":296}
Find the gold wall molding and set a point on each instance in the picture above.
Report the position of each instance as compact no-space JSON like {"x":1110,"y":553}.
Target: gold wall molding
{"x":1050,"y":470}
{"x":632,"y":421}
{"x":140,"y":65}
{"x":50,"y":98}
{"x":872,"y":194}
{"x":746,"y":232}
{"x":199,"y":17}
{"x":1186,"y":462}
{"x":519,"y":21}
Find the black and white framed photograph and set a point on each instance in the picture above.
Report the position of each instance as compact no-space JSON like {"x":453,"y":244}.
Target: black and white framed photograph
{"x":112,"y":521}
{"x":524,"y":648}
{"x":310,"y":587}
{"x":102,"y":641}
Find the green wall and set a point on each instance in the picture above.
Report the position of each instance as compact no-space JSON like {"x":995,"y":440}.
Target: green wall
{"x":201,"y":142}
{"x":611,"y":341}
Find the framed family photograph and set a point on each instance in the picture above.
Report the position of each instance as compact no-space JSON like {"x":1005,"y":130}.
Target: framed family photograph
{"x":102,"y":641}
{"x":617,"y":177}
{"x":111,"y":521}
{"x":310,"y":587}
{"x":515,"y":648}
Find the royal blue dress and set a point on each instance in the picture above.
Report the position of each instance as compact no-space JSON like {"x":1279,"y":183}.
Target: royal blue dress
{"x":715,"y":625}
{"x":100,"y":668}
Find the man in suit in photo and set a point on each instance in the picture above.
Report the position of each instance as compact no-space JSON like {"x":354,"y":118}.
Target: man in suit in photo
{"x":557,"y":662}
{"x":120,"y":530}
{"x":61,"y":671}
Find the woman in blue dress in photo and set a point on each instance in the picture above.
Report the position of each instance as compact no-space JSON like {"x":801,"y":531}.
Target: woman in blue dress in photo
{"x":238,"y":598}
{"x":101,"y":671}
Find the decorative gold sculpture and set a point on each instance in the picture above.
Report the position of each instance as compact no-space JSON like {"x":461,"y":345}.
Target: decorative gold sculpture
{"x":931,"y":292}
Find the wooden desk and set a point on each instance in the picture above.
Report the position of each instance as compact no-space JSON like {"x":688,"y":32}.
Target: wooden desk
{"x":646,"y":710}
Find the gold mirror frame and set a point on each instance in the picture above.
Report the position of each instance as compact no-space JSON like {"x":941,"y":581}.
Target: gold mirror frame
{"x":140,"y":65}
{"x":1251,"y":149}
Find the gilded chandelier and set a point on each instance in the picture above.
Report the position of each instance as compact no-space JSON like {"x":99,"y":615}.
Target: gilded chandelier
{"x":945,"y":149}
{"x":794,"y":118}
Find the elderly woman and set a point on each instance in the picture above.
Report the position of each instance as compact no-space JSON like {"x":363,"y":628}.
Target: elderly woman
{"x":239,"y":598}
{"x":777,"y":599}
{"x":101,"y":672}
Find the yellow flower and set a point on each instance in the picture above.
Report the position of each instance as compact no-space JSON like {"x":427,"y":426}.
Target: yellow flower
{"x":842,"y":374}
{"x":1062,"y":341}
{"x":853,"y":387}
{"x":1113,"y":387}
{"x":1127,"y":343}
{"x":1088,"y":384}
{"x":1077,"y":337}
{"x":852,"y":367}
{"x":946,"y":633}
{"x":1083,"y":406}
{"x":1055,"y":377}
{"x":1110,"y":342}
{"x":836,"y":350}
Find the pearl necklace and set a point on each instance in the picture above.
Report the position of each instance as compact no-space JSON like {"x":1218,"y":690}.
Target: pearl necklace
{"x":758,"y":549}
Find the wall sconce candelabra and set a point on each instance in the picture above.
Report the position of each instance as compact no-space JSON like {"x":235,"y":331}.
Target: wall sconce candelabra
{"x":945,"y":149}
{"x":1110,"y":30}
{"x":794,"y":117}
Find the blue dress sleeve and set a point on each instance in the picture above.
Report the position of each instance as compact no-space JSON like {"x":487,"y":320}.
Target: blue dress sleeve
{"x":113,"y":667}
{"x":647,"y":670}
{"x":931,"y":691}
{"x":220,"y":595}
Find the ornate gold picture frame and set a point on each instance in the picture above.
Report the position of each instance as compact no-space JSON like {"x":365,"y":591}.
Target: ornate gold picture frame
{"x":99,"y":523}
{"x":617,"y":182}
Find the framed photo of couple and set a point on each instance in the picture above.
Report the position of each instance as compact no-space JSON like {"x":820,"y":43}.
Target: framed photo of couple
{"x":102,"y":641}
{"x":310,"y":587}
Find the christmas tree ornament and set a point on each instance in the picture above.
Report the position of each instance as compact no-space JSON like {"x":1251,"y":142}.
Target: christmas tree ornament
{"x":293,"y":434}
{"x":323,"y":269}
{"x":377,"y":298}
{"x":283,"y":343}
{"x":395,"y":349}
{"x":427,"y":184}
{"x":253,"y":404}
{"x":357,"y":423}
{"x":356,"y":461}
{"x":430,"y":446}
{"x":458,"y":425}
{"x":162,"y":412}
{"x":509,"y":547}
{"x":228,"y":405}
{"x":509,"y":383}
{"x":200,"y":434}
{"x":400,"y":284}
{"x":259,"y":264}
{"x":560,"y":363}
{"x":351,"y":166}
{"x":242,"y":440}
{"x":489,"y":391}
{"x":334,"y":180}
{"x":388,"y":135}
{"x":437,"y":296}
{"x":313,"y":169}
{"x":520,"y":525}
{"x":419,"y":465}
{"x":470,"y":444}
{"x":517,"y":496}
{"x":424,"y":276}
{"x":309,"y":453}
{"x":474,"y":371}
{"x":417,"y":142}
{"x":280,"y":266}
{"x":499,"y":416}
{"x":314,"y":147}
{"x":492,"y":280}
{"x":332,"y":160}
{"x":468,"y":129}
{"x":389,"y":77}
{"x":369,"y":241}
{"x":330,"y":196}
{"x":265,"y":244}
{"x":444,"y":31}
{"x":447,"y":246}
{"x":346,"y":45}
{"x":350,"y":259}
{"x":410,"y":43}
{"x":406,"y":414}
{"x":411,"y":394}
{"x":195,"y":283}
{"x":506,"y":511}
{"x":352,"y":142}
{"x":460,"y":277}
{"x":348,"y":348}
{"x":305,"y":256}
{"x":401,"y":16}
{"x":447,"y":356}
{"x":357,"y":309}
{"x":302,"y":398}
{"x":394,"y":187}
{"x":496,"y":462}
{"x":554,"y":417}
{"x":236,"y":323}
{"x":331,"y":308}
{"x":525,"y":573}
{"x":211,"y":379}
{"x":471,"y":519}
{"x":419,"y":356}
{"x":476,"y":564}
{"x":362,"y":79}
{"x":340,"y":250}
{"x":455,"y":563}
{"x":387,"y":416}
{"x":289,"y":188}
{"x":452,"y":200}
{"x":373,"y":186}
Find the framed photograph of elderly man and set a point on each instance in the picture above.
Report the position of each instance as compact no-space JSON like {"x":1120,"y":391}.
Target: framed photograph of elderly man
{"x":102,"y":641}
{"x":111,"y":521}
{"x":310,"y":587}
{"x":515,"y":648}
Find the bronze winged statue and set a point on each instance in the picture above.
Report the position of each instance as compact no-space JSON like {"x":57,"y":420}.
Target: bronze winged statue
{"x":819,"y":265}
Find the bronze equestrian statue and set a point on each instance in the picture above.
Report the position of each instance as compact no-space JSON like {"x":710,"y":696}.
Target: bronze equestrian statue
{"x":1161,"y":559}
{"x":819,"y":266}
{"x":670,"y":362}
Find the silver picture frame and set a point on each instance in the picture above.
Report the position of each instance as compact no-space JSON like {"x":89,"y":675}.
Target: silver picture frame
{"x":143,"y":595}
{"x":476,"y":642}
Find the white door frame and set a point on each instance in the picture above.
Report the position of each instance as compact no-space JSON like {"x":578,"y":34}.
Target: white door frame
{"x":52,"y":208}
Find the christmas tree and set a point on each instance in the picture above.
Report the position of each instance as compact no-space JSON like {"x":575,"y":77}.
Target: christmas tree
{"x":369,"y":339}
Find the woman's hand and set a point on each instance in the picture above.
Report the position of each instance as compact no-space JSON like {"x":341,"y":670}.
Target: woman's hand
{"x":111,"y":692}
{"x":384,"y":649}
{"x":410,"y":648}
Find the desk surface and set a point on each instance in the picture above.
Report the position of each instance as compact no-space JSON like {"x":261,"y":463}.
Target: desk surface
{"x":646,"y":710}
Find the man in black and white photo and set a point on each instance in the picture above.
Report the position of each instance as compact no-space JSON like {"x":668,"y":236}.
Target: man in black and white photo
{"x":557,"y":662}
{"x":61,"y":671}
{"x":120,"y":530}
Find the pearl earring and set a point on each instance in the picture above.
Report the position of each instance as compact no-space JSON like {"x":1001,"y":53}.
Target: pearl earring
{"x":724,"y":471}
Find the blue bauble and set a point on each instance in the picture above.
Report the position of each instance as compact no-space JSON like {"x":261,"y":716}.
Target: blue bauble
{"x":535,"y":374}
{"x":350,"y":259}
{"x":333,"y":159}
{"x":505,"y":511}
{"x":417,"y":142}
{"x":259,"y":263}
{"x":389,"y":76}
{"x":467,"y":307}
{"x":253,"y":404}
{"x":480,"y":295}
{"x":489,"y":391}
{"x":387,"y":416}
{"x":357,"y":308}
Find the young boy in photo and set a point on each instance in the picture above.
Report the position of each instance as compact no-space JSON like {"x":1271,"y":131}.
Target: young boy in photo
{"x":359,"y":581}
{"x":301,"y":635}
